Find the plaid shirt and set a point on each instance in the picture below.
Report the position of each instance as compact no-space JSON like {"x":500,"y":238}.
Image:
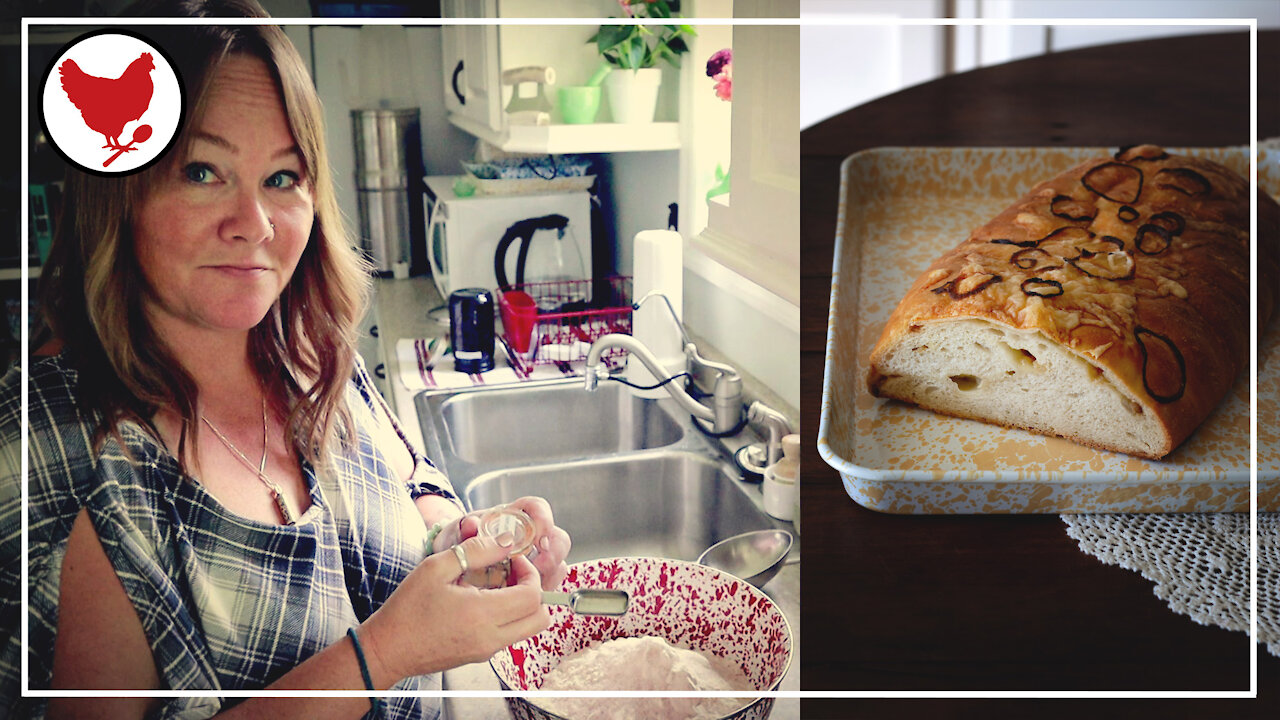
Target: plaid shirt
{"x":226,"y":602}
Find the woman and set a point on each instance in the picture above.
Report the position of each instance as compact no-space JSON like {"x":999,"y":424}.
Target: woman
{"x":217,"y":493}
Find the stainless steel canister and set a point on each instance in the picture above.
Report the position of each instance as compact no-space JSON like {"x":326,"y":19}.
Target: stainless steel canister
{"x":388,"y":145}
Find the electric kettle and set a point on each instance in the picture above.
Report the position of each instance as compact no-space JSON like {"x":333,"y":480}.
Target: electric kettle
{"x":548,"y":265}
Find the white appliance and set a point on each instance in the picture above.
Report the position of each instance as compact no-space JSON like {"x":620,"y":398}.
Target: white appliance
{"x":463,"y":232}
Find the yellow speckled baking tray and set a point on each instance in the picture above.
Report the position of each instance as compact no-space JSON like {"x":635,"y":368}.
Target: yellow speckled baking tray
{"x":1269,"y":414}
{"x":900,"y":209}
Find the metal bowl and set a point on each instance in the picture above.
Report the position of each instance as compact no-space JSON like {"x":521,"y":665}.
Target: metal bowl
{"x":754,"y":556}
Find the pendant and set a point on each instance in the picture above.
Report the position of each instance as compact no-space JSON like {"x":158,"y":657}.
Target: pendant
{"x":285,"y":515}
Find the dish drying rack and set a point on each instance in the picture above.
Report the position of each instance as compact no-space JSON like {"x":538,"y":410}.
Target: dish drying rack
{"x":570,"y":315}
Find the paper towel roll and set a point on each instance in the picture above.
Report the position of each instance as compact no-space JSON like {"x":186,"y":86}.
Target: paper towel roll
{"x":658,"y":261}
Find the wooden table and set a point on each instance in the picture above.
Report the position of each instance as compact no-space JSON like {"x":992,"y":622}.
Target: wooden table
{"x":1009,"y":602}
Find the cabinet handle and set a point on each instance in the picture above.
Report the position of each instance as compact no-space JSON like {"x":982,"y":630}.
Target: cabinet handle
{"x":457,"y":70}
{"x":380,"y":371}
{"x":373,"y":331}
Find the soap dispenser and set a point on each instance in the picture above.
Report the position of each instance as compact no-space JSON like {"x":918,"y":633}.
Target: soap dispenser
{"x":781,"y":484}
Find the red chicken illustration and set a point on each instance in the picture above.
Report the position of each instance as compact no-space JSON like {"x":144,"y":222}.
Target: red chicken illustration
{"x":108,"y":104}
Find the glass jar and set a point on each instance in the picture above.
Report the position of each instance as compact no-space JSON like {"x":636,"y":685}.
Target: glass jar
{"x":494,"y":522}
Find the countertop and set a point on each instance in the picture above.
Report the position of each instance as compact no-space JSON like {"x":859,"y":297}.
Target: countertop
{"x":402,"y":309}
{"x":1009,"y":602}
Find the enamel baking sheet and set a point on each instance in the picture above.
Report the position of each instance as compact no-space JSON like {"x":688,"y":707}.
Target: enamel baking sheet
{"x":900,"y":209}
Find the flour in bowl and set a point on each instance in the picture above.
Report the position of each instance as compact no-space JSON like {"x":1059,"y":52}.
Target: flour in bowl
{"x":643,"y":663}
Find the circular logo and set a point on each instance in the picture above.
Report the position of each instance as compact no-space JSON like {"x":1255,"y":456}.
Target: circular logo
{"x":111,"y":102}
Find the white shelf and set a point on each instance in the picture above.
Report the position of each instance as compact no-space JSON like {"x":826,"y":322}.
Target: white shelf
{"x":559,"y":139}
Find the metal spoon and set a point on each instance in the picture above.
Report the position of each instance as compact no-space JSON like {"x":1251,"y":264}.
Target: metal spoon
{"x":590,"y":602}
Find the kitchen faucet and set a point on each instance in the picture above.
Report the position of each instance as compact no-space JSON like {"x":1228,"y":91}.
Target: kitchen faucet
{"x":726,"y":413}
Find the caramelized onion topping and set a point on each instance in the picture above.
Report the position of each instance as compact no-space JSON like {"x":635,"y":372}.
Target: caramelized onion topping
{"x":1068,"y":233}
{"x":1127,"y":214}
{"x":963,"y":287}
{"x":1152,"y":239}
{"x":1123,"y":183}
{"x":1105,"y":265}
{"x":1068,"y":208}
{"x":1095,"y":246}
{"x":1039,"y":287}
{"x":1029,"y":258}
{"x":1114,"y":241}
{"x":1184,"y":180}
{"x":1065,"y":241}
{"x":1170,"y":221}
{"x":1163,"y":346}
{"x":1021,"y":244}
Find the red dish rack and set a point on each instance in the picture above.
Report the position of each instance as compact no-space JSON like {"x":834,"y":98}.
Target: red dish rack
{"x":564,"y":319}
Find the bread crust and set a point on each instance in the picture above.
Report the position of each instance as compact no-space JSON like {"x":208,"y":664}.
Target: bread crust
{"x":1138,"y":263}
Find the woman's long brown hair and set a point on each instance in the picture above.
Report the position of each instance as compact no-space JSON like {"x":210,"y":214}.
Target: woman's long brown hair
{"x":92,"y":288}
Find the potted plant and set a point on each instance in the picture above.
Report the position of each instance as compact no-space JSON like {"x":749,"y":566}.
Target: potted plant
{"x":637,"y":50}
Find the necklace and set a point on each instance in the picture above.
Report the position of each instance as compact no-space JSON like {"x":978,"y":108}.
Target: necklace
{"x":286,"y":516}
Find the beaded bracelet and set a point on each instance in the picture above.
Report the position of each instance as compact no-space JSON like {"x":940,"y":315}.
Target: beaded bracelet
{"x":431,"y":538}
{"x":376,"y":702}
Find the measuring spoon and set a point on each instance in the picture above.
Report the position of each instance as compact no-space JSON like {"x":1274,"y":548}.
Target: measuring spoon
{"x":590,"y":602}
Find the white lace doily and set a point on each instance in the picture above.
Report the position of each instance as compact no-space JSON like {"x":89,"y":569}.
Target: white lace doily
{"x":1198,"y":562}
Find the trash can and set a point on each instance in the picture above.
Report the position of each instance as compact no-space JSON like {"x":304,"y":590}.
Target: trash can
{"x":388,"y":145}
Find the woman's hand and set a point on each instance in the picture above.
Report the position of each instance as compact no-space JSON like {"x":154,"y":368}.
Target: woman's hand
{"x":433,"y":623}
{"x":550,"y":546}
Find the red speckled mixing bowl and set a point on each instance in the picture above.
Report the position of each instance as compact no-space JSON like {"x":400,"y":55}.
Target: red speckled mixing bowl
{"x":692,"y":606}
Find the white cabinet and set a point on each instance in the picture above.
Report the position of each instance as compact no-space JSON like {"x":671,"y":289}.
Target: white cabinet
{"x":472,"y":90}
{"x":373,"y":353}
{"x":476,"y":55}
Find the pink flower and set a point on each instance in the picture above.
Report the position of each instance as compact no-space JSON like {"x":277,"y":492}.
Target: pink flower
{"x":720,"y":69}
{"x":724,"y":84}
{"x":718,"y":61}
{"x":627,"y":8}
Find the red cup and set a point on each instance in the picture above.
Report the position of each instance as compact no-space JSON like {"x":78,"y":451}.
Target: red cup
{"x":519,"y":314}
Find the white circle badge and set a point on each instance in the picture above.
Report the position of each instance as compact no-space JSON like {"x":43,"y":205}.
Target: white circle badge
{"x":111,"y":102}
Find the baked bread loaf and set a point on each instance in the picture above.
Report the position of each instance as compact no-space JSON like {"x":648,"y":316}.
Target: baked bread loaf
{"x":1109,"y":306}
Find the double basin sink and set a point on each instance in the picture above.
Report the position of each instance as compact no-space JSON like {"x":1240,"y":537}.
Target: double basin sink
{"x":625,"y":476}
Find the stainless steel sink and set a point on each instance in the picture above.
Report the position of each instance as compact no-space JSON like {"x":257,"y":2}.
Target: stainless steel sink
{"x":625,"y":475}
{"x":672,"y":504}
{"x":546,"y":422}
